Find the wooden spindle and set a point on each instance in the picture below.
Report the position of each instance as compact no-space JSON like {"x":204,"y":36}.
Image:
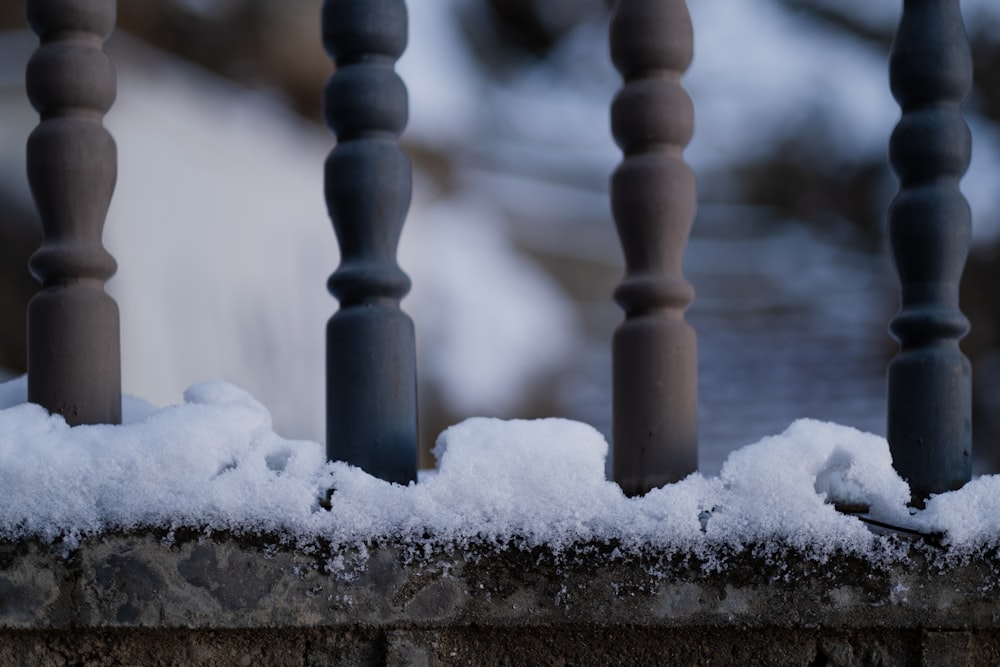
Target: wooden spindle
{"x":930,"y":380}
{"x":655,"y":376}
{"x":371,"y":355}
{"x":74,"y":363}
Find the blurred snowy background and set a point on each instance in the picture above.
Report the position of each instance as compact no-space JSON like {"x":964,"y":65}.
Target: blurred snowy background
{"x":223,"y":244}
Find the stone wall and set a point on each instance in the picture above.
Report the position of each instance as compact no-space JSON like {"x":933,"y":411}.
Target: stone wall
{"x":143,"y":599}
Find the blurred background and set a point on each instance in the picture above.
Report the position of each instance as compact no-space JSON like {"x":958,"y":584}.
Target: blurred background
{"x":223,"y":244}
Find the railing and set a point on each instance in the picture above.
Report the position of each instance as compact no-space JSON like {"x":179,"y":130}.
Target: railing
{"x":370,"y":351}
{"x":74,"y":365}
{"x":930,"y":380}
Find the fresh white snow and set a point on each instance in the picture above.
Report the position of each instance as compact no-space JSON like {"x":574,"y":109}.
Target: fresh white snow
{"x":214,"y":463}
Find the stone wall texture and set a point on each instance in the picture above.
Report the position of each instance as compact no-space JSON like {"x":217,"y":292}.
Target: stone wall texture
{"x":144,"y":599}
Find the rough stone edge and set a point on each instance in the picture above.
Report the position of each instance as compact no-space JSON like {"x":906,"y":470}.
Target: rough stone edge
{"x":188,"y":579}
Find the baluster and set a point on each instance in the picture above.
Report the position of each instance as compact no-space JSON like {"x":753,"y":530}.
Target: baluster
{"x":74,"y":365}
{"x":930,"y":380}
{"x":371,"y":357}
{"x":655,"y":420}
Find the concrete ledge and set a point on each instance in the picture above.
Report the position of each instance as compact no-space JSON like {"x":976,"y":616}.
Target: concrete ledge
{"x":134,"y":599}
{"x":293,"y":647}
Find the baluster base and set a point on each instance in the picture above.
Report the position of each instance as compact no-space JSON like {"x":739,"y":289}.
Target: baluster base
{"x":73,"y":342}
{"x":655,"y":403}
{"x":930,"y":419}
{"x":371,"y":391}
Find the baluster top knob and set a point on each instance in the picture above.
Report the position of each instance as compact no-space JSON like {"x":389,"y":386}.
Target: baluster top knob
{"x":47,"y":17}
{"x":649,"y":36}
{"x":364,"y":28}
{"x":930,"y":61}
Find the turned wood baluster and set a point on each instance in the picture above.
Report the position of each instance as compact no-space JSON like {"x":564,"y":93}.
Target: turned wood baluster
{"x":930,"y":380}
{"x":74,"y":365}
{"x":655,"y":420}
{"x":371,"y":367}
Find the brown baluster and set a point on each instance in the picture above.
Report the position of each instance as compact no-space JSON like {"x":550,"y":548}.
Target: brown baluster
{"x":74,"y":365}
{"x":655,"y":429}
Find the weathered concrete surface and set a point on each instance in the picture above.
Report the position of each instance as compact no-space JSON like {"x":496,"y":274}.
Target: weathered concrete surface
{"x":133,"y":599}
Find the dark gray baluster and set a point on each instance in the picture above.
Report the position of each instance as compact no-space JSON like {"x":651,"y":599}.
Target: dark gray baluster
{"x":371,"y":367}
{"x":655,"y":431}
{"x":929,"y":380}
{"x":74,"y":365}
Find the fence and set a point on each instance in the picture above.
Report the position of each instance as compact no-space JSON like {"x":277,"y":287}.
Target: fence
{"x":74,"y":365}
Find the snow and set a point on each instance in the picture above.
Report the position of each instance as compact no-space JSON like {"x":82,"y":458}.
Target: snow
{"x":214,"y":463}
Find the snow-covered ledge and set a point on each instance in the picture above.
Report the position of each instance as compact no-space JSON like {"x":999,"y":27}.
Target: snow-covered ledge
{"x":197,"y":533}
